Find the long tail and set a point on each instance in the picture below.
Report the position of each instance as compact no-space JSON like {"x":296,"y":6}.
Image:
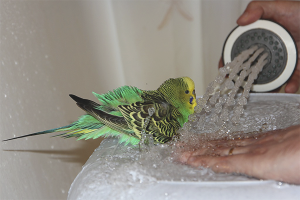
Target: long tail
{"x":40,"y":133}
{"x":84,"y":128}
{"x":96,"y":123}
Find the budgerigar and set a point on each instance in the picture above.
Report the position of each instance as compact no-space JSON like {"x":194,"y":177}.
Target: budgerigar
{"x":128,"y":112}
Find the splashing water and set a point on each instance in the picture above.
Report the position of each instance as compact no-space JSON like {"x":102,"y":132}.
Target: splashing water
{"x":220,"y":109}
{"x":221,"y":93}
{"x":121,"y":172}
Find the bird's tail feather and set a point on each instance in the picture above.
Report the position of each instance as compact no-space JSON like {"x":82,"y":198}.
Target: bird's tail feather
{"x":86,"y":127}
{"x":39,"y":133}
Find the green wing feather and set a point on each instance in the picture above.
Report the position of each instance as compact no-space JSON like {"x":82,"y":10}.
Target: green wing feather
{"x":120,"y":96}
{"x":88,"y":127}
{"x":114,"y":125}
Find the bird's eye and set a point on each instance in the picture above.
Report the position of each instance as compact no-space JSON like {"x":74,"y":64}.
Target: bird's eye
{"x":191,"y":99}
{"x":187,"y":91}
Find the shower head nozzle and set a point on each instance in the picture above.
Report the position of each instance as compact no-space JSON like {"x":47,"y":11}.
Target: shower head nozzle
{"x":276,"y":41}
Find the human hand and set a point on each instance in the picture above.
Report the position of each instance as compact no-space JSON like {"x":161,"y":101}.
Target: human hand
{"x":285,"y":13}
{"x":274,"y":155}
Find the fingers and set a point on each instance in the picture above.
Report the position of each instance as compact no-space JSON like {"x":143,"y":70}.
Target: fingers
{"x":293,"y":83}
{"x":232,"y":151}
{"x":274,"y":156}
{"x":253,"y":12}
{"x":221,"y":64}
{"x":219,"y":147}
{"x":237,"y":142}
{"x":224,"y":148}
{"x":278,"y":11}
{"x":243,"y":163}
{"x":225,"y":151}
{"x":261,"y":9}
{"x":226,"y":164}
{"x":251,"y":164}
{"x":183,"y":157}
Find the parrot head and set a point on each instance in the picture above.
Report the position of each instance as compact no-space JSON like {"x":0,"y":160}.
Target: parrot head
{"x":180,"y":92}
{"x":189,"y":96}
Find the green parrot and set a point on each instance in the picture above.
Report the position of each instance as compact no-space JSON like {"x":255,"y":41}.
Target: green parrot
{"x":128,"y":113}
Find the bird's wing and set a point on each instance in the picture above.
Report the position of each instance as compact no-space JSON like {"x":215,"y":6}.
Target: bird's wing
{"x":117,"y":124}
{"x":162,"y":124}
{"x":120,"y":96}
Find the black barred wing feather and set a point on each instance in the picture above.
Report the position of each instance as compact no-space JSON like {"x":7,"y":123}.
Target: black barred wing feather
{"x":117,"y":123}
{"x":157,"y":119}
{"x":168,"y":125}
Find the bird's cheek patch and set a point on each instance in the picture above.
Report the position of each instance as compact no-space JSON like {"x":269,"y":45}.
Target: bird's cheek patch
{"x":191,"y":100}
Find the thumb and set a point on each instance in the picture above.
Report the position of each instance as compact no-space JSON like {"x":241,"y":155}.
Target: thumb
{"x":256,"y":10}
{"x":293,"y":83}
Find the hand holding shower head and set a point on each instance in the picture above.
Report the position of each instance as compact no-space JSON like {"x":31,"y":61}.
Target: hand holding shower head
{"x":276,"y":41}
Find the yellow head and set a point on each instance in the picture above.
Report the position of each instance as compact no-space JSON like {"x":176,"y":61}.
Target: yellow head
{"x":180,"y":93}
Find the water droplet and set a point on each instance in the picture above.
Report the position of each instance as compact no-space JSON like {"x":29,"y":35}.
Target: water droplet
{"x":229,"y":84}
{"x":207,"y":108}
{"x":242,"y":100}
{"x":193,"y":118}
